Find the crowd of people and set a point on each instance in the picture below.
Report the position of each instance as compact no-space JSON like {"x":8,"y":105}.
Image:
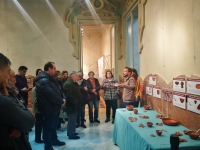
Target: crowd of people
{"x":59,"y":101}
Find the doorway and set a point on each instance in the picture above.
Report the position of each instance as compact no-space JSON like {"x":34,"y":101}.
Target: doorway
{"x":98,"y":50}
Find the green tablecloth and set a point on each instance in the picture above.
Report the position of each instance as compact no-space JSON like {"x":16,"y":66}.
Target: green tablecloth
{"x":129,"y":136}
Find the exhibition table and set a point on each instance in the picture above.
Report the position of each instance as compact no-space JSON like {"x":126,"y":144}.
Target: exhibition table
{"x":129,"y":136}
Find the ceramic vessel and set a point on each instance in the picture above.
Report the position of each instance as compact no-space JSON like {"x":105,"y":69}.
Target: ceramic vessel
{"x":135,"y":111}
{"x":193,"y":135}
{"x":129,"y":107}
{"x":159,"y":132}
{"x":149,"y":124}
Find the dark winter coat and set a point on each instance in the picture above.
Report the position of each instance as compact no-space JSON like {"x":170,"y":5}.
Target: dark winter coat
{"x":48,"y":93}
{"x":73,"y":94}
{"x":14,"y":116}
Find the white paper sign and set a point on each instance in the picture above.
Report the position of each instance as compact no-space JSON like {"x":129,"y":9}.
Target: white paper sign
{"x":193,"y":86}
{"x":167,"y":95}
{"x":157,"y":92}
{"x":179,"y":100}
{"x":149,"y":90}
{"x":194,"y":103}
{"x":179,"y":85}
{"x":152,"y":79}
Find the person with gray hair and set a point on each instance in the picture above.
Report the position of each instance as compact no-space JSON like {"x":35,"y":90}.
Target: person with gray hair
{"x":73,"y":104}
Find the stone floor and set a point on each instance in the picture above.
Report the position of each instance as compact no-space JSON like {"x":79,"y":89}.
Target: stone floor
{"x":94,"y":137}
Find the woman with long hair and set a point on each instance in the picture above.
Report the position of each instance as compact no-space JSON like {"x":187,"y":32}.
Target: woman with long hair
{"x":137,"y":86}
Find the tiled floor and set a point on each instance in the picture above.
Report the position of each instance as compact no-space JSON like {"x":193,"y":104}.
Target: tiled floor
{"x":94,"y":137}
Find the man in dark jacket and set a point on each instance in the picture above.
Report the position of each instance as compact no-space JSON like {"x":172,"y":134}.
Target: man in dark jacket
{"x":73,"y":104}
{"x":14,"y":118}
{"x":49,"y":100}
{"x":21,"y":84}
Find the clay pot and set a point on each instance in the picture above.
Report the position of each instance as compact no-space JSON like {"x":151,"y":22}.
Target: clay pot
{"x":129,"y":107}
{"x":159,"y":132}
{"x":135,"y":111}
{"x":182,"y":100}
{"x":149,"y":124}
{"x":146,"y":107}
{"x":194,"y":135}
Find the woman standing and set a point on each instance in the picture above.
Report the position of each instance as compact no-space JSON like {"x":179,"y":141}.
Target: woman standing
{"x":38,"y":115}
{"x":93,"y":89}
{"x":137,"y":87}
{"x":110,"y":95}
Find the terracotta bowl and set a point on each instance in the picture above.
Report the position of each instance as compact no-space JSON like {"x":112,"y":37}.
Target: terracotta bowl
{"x":135,"y":111}
{"x":159,"y":132}
{"x":193,"y":135}
{"x":129,"y":107}
{"x":149,"y":124}
{"x":170,"y":121}
{"x":146,"y":107}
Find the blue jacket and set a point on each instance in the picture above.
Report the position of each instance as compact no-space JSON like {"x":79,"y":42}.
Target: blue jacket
{"x":48,"y":93}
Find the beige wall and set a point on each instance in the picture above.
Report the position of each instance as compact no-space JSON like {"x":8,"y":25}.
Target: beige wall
{"x":92,"y":51}
{"x":33,"y":43}
{"x":171,"y":38}
{"x":96,"y":43}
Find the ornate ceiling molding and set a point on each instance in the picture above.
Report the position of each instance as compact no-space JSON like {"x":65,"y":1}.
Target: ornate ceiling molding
{"x":128,"y":6}
{"x":98,"y":4}
{"x":81,"y":11}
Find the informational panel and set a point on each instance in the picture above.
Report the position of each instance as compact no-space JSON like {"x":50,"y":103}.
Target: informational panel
{"x":149,"y":90}
{"x":152,"y":79}
{"x":179,"y":85}
{"x":193,"y":86}
{"x":179,"y":100}
{"x":194,"y":103}
{"x":157,"y":92}
{"x":167,"y":95}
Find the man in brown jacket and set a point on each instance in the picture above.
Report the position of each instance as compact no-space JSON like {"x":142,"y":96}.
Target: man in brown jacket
{"x":129,"y":88}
